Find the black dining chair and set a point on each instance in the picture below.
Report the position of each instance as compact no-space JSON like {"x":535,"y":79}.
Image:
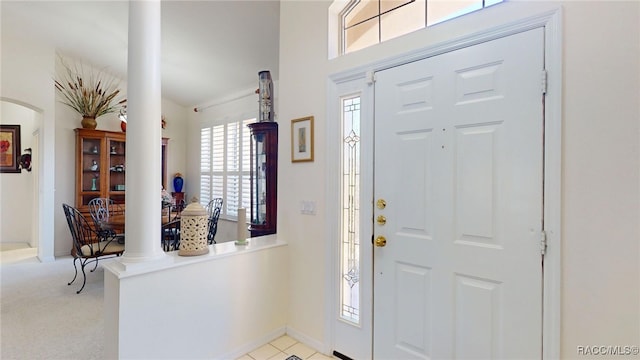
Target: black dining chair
{"x":179,"y":206}
{"x":171,"y":235}
{"x":100,"y":210}
{"x":213,"y":209}
{"x":88,"y":245}
{"x":170,"y":210}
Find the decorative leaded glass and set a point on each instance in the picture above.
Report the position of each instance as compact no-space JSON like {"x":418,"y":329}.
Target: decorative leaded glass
{"x":350,"y":190}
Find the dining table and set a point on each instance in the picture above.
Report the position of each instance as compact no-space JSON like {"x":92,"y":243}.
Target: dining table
{"x":116,"y":222}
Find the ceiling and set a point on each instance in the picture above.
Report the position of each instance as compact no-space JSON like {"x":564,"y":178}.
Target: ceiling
{"x":210,"y":49}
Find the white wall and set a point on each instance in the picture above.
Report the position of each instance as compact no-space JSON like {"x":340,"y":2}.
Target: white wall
{"x":303,"y":75}
{"x":26,"y":67}
{"x":600,"y":184}
{"x":601,"y":293}
{"x":176,"y":130}
{"x":16,"y":208}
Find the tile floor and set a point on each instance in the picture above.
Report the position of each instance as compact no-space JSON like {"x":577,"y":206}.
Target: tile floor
{"x":283,"y":347}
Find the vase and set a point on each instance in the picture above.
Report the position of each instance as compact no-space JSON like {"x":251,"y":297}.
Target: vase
{"x":178,"y":181}
{"x":89,"y":122}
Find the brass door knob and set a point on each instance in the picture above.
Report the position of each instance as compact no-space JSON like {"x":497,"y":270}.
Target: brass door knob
{"x":381,"y":220}
{"x":381,"y":204}
{"x":381,"y":241}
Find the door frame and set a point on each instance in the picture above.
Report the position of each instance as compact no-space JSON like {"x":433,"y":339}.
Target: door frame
{"x":362,"y":78}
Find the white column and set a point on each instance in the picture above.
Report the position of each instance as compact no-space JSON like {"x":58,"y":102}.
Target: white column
{"x":143,"y":202}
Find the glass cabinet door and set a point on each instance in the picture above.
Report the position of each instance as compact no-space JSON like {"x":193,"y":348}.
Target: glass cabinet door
{"x":259,"y":166}
{"x":89,"y":174}
{"x":116,"y":171}
{"x":264,"y":178}
{"x":100,"y":166}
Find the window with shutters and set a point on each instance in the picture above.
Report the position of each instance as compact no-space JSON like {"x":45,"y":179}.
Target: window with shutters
{"x":225,"y":166}
{"x":364,"y":23}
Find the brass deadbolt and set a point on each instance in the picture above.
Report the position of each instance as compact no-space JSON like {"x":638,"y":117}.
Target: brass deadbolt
{"x":381,"y":241}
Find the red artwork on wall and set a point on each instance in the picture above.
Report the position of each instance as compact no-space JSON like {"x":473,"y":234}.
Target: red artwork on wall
{"x":9,"y":148}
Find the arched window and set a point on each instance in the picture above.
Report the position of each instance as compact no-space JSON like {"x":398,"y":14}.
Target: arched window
{"x":367,"y":22}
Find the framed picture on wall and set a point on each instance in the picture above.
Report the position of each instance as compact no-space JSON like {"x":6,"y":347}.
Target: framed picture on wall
{"x":302,"y":139}
{"x":9,"y":148}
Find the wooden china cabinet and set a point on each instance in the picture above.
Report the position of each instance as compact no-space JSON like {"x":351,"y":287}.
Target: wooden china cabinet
{"x":264,"y":178}
{"x":100,"y":166}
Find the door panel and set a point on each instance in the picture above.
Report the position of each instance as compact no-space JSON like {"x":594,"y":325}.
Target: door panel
{"x":412,"y":179}
{"x":412,"y":325}
{"x":458,"y":160}
{"x":475,"y":200}
{"x":478,"y":306}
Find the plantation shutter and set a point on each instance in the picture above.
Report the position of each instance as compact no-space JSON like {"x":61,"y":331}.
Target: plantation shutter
{"x":205,"y":165}
{"x":225,"y":169}
{"x":233,"y":166}
{"x":217,"y":167}
{"x":246,"y":164}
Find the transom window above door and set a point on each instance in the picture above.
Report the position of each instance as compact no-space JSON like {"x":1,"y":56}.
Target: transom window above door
{"x":364,"y":23}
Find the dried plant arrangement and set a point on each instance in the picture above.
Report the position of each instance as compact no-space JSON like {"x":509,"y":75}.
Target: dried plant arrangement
{"x":90,"y":92}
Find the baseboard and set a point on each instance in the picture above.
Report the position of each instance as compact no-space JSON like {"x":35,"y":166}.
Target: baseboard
{"x":341,"y":356}
{"x":309,"y":341}
{"x":46,"y":259}
{"x":254,"y":344}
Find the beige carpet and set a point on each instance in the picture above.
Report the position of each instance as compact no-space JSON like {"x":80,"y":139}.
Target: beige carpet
{"x":43,"y":318}
{"x":11,"y":253}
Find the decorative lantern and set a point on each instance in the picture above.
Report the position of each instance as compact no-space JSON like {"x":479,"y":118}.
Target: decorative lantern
{"x":265,"y":92}
{"x":193,"y":230}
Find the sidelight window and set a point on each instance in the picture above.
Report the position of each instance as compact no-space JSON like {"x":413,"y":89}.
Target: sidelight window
{"x":350,"y":190}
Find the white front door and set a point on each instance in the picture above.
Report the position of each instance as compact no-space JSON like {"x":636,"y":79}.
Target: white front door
{"x":459,"y":163}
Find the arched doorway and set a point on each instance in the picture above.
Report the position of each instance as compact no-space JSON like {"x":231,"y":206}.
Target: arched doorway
{"x":20,"y":206}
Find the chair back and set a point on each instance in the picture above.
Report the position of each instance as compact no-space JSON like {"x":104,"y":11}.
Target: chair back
{"x":213,"y":209}
{"x":179,"y":206}
{"x":101,"y":208}
{"x":81,"y":230}
{"x":169,"y":210}
{"x":171,"y":235}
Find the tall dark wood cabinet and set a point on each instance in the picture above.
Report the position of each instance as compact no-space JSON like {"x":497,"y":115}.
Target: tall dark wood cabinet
{"x":100,"y":166}
{"x":264,"y":178}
